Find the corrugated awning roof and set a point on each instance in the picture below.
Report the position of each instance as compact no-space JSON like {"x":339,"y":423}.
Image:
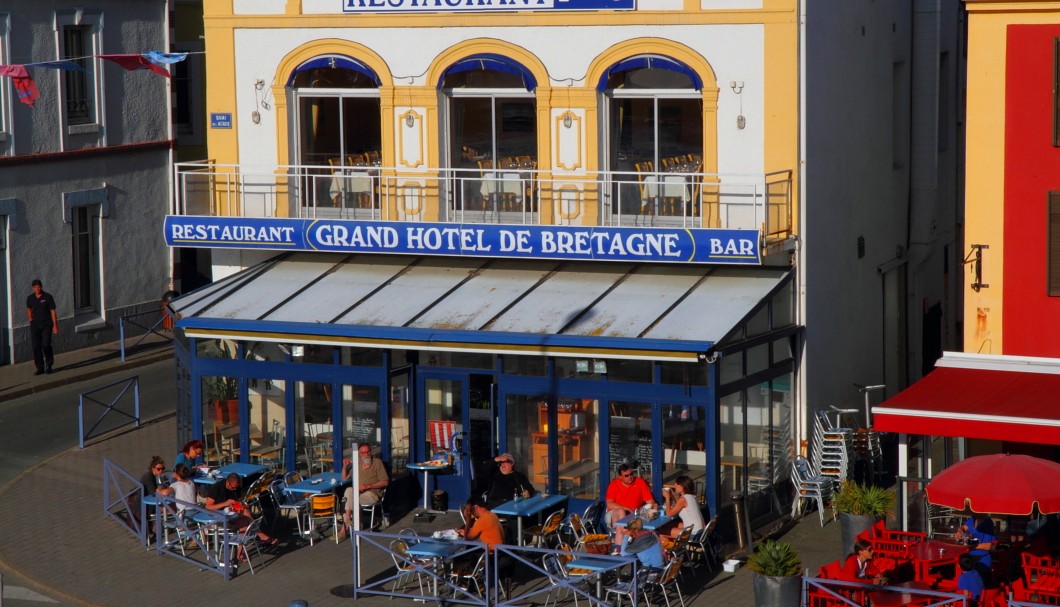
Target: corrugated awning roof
{"x":519,"y":306}
{"x":976,"y":396}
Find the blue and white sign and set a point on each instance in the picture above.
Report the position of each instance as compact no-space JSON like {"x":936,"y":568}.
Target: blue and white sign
{"x":220,"y":120}
{"x":475,"y":6}
{"x":673,"y":245}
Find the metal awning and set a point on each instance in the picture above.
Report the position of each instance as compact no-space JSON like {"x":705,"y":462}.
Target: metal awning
{"x":979,"y":396}
{"x":557,"y":308}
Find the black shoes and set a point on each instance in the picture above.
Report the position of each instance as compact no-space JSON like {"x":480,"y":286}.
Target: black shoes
{"x":38,"y":372}
{"x":49,"y":371}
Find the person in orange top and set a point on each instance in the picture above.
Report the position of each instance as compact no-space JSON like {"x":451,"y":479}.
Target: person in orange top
{"x":859,"y":567}
{"x":482,"y":525}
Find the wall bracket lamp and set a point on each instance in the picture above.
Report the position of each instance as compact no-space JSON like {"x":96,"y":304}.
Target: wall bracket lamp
{"x":975,"y":257}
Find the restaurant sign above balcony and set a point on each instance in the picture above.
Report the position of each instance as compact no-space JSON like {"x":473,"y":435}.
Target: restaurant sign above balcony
{"x":637,"y":244}
{"x":468,"y":6}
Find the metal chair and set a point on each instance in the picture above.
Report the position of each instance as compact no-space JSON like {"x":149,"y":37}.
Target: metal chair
{"x":630,"y":587}
{"x":241,"y":543}
{"x":559,"y":578}
{"x":287,"y":503}
{"x":470,"y":574}
{"x":322,"y":508}
{"x":539,"y":534}
{"x":406,"y":567}
{"x":371,"y":509}
{"x":666,"y":582}
{"x":703,"y":547}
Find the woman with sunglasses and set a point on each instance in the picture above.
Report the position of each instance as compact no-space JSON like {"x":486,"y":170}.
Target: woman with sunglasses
{"x":503,"y":482}
{"x":152,"y":479}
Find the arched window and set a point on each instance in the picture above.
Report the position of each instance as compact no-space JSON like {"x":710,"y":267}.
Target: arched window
{"x":337,"y":124}
{"x":654,"y":116}
{"x":491,"y":136}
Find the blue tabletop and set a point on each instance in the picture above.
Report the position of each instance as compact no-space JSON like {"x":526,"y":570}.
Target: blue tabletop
{"x":434,"y":548}
{"x":427,"y":466}
{"x":243,"y":470}
{"x":325,"y":481}
{"x":649,"y":523}
{"x":593,"y":563}
{"x":211,"y":516}
{"x":206,"y":479}
{"x":529,"y":506}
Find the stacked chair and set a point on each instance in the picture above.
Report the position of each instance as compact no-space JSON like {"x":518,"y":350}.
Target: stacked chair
{"x":809,"y":485}
{"x":832,"y":448}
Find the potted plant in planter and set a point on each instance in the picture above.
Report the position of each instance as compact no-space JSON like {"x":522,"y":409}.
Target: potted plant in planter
{"x":859,"y":507}
{"x":777,"y":575}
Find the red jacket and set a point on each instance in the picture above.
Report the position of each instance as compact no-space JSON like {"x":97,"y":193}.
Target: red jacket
{"x":852,"y":571}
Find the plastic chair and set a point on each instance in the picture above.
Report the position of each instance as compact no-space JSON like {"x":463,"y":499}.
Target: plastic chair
{"x":322,"y":508}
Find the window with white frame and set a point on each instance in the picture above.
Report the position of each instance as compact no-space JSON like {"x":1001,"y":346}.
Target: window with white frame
{"x":79,"y":39}
{"x":85,"y":228}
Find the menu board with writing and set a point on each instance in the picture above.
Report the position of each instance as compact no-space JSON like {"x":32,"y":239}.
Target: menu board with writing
{"x":627,"y":445}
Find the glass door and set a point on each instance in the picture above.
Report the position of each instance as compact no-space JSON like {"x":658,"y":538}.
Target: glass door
{"x":442,"y":399}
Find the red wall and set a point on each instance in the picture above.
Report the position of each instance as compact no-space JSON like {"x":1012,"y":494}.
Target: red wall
{"x":1031,"y":322}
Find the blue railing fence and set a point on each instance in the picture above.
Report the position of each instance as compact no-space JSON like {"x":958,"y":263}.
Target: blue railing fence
{"x":122,"y":388}
{"x":820,"y":591}
{"x":153,"y":329}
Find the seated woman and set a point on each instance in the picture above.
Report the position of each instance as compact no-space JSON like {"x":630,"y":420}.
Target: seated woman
{"x":859,"y":567}
{"x":190,"y":455}
{"x":978,"y":530}
{"x":503,"y":482}
{"x":182,"y":488}
{"x":681,"y":502}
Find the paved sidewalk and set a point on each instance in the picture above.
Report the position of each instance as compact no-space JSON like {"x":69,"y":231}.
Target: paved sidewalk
{"x":54,"y":534}
{"x":18,"y":380}
{"x":56,"y":539}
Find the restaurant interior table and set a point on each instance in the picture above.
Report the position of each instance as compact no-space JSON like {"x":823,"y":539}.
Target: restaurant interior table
{"x":653,"y":524}
{"x":318,"y":483}
{"x":935,"y":554}
{"x":737,"y":463}
{"x":531,"y":506}
{"x":427,"y":468}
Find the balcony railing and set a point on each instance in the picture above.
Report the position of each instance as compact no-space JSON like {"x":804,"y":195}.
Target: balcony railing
{"x":602,"y":198}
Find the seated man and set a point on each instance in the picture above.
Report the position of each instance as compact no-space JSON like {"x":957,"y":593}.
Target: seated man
{"x":226,"y":494}
{"x":624,"y":496}
{"x":502,"y":482}
{"x":373,"y":478}
{"x":978,"y":528}
{"x":482,"y":525}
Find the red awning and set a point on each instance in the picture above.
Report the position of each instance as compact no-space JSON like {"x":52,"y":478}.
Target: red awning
{"x":977,"y":403}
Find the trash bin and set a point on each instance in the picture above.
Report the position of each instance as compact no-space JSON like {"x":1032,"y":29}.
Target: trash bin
{"x":440,"y":500}
{"x":167,"y":318}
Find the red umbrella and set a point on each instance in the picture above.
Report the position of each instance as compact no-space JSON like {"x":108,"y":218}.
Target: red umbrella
{"x":998,"y":484}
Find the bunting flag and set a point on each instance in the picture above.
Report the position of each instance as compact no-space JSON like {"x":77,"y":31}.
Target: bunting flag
{"x":160,"y":58}
{"x":27,"y":89}
{"x":135,"y":62}
{"x":62,"y":64}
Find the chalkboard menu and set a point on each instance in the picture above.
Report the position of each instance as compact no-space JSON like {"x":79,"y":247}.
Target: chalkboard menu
{"x":362,"y":426}
{"x":627,"y":444}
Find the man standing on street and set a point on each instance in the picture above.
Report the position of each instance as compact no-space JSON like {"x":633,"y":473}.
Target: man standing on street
{"x":40,"y":308}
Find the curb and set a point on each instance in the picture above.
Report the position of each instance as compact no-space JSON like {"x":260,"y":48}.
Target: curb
{"x":89,"y":372}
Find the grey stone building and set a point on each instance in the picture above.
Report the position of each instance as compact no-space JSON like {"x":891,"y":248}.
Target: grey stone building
{"x":85,"y":176}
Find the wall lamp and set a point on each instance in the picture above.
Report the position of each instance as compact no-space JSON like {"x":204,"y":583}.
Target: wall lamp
{"x":975,"y":257}
{"x":568,"y":120}
{"x":737,"y":87}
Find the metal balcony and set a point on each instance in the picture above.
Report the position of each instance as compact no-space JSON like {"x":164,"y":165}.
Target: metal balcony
{"x":517,"y":197}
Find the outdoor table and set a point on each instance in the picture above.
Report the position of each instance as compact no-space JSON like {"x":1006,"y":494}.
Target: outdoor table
{"x":530,"y":506}
{"x":209,"y":526}
{"x":594,"y":564}
{"x":653,"y":524}
{"x":932,"y":554}
{"x":436,"y":550}
{"x":427,"y":468}
{"x":206,"y":478}
{"x":243,"y":470}
{"x":320,"y":483}
{"x":899,"y":594}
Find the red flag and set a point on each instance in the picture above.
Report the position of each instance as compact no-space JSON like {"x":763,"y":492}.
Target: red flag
{"x":135,"y":62}
{"x":27,"y":89}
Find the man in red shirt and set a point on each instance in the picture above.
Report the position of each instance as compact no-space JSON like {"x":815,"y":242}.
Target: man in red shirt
{"x":624,"y":496}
